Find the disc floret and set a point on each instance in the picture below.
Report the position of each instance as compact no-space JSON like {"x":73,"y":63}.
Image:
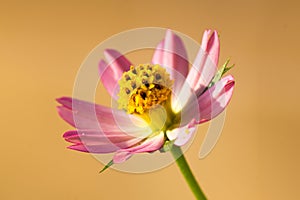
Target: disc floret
{"x":143,"y":87}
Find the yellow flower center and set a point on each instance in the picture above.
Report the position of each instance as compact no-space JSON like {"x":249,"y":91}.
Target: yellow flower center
{"x":146,"y":97}
{"x":143,"y":87}
{"x":144,"y":91}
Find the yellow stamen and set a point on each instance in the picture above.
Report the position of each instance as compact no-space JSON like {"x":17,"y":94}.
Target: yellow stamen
{"x":145,"y":90}
{"x":143,"y":87}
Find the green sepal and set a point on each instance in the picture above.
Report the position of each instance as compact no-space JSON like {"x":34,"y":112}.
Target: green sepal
{"x":107,"y":166}
{"x":167,"y":146}
{"x":220,"y":73}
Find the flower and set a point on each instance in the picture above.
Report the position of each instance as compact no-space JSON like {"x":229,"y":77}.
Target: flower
{"x":159,"y":103}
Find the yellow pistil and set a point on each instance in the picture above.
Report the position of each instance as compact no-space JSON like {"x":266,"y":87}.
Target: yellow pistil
{"x":146,"y":97}
{"x":145,"y":90}
{"x":143,"y":87}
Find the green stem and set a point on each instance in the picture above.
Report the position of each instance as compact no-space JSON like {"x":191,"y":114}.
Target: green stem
{"x":187,"y":173}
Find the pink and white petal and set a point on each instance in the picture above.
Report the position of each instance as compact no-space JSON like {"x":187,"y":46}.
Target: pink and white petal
{"x":86,"y":108}
{"x":78,"y":120}
{"x":213,"y":101}
{"x":108,"y":78}
{"x":93,"y":137}
{"x":190,"y":111}
{"x":117,"y":61}
{"x":85,"y":115}
{"x":92,"y":148}
{"x":181,"y":135}
{"x":202,"y":71}
{"x":212,"y":46}
{"x":205,"y":64}
{"x":180,"y":99}
{"x":78,"y":147}
{"x":205,"y":39}
{"x":149,"y":145}
{"x":66,"y":115}
{"x":171,"y":54}
{"x":113,"y":140}
{"x":172,"y":135}
{"x":121,"y":156}
{"x":111,"y":73}
{"x":159,"y":53}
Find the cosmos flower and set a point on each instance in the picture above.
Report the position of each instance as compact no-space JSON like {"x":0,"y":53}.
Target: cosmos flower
{"x":158,"y":103}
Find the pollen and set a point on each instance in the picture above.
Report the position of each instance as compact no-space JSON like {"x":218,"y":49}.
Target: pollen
{"x":143,"y":87}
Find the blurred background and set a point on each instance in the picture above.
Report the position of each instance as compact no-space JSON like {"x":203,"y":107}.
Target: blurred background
{"x":42,"y":45}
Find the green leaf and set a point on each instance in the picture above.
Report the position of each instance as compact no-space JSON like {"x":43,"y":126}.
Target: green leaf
{"x":220,"y":73}
{"x":107,"y":166}
{"x":226,"y":69}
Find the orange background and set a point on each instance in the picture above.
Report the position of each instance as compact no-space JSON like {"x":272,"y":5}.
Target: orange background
{"x":42,"y":45}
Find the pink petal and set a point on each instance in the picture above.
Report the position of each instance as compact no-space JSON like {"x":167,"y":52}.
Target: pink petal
{"x":98,"y":142}
{"x":91,"y":148}
{"x":66,"y":115}
{"x":78,"y":147}
{"x":171,"y":54}
{"x":159,"y":53}
{"x":121,"y":156}
{"x":111,"y":73}
{"x":149,"y":145}
{"x":85,"y":115}
{"x":181,"y":135}
{"x":205,"y":64}
{"x":205,"y":39}
{"x":91,"y":137}
{"x":215,"y":99}
{"x":108,"y":78}
{"x":211,"y":45}
{"x":187,"y":105}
